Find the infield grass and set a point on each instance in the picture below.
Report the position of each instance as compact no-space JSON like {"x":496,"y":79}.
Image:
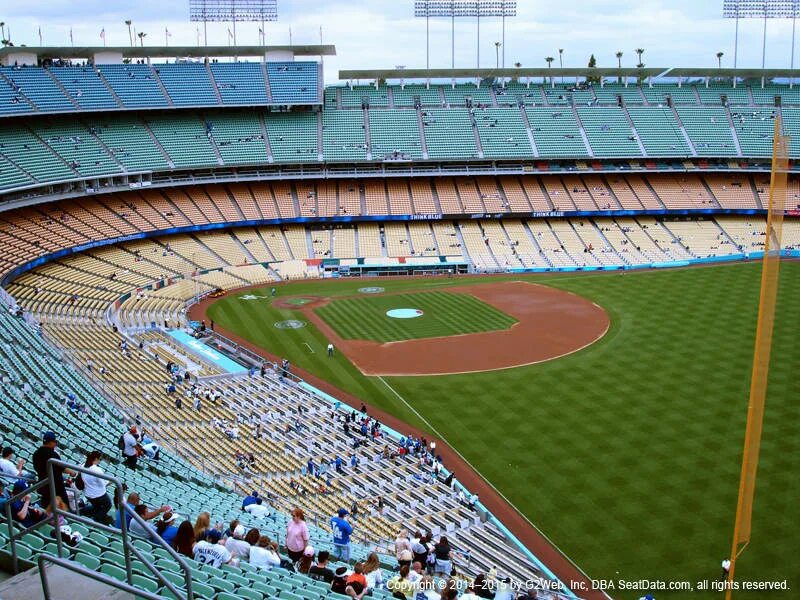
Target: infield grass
{"x":627,"y":453}
{"x":444,"y":314}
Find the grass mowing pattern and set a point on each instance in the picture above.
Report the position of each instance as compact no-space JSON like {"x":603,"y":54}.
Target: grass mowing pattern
{"x":627,"y":453}
{"x":445,"y":314}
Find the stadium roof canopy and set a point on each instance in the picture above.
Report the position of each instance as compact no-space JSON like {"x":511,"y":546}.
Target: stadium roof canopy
{"x":69,"y":52}
{"x":572,"y":73}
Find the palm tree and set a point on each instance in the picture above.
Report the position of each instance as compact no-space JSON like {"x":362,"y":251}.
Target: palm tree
{"x":3,"y":29}
{"x":141,"y":35}
{"x":130,"y":36}
{"x":550,"y":60}
{"x":719,"y":59}
{"x":640,"y":51}
{"x":497,"y":54}
{"x":619,"y":65}
{"x":561,"y":62}
{"x":518,"y":64}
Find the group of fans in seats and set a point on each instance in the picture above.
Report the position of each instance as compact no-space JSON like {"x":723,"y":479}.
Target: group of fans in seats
{"x":424,"y":569}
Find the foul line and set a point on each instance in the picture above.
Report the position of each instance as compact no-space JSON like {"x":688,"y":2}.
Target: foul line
{"x":309,"y":347}
{"x":490,"y":484}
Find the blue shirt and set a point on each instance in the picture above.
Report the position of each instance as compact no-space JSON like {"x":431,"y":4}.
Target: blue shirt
{"x":341,"y":531}
{"x":117,"y":522}
{"x":250,"y":500}
{"x":168,"y":535}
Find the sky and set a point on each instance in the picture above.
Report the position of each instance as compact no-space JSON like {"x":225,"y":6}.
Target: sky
{"x":385,"y":33}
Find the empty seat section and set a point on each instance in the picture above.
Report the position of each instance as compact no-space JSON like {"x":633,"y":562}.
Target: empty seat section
{"x":240,"y":82}
{"x":187,"y":84}
{"x":134,"y":84}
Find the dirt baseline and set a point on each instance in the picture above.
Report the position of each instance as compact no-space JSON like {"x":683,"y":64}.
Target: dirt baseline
{"x":551,"y":323}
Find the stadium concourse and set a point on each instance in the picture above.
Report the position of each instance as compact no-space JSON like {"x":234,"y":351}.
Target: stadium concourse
{"x":129,"y":190}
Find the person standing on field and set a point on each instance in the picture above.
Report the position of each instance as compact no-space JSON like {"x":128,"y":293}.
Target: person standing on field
{"x":330,"y":350}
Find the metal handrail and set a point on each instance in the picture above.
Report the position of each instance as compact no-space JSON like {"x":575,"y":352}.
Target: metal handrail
{"x":127,"y":544}
{"x":77,"y":568}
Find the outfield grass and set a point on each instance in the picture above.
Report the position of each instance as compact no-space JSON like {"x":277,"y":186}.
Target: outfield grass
{"x":444,"y":314}
{"x":627,"y":453}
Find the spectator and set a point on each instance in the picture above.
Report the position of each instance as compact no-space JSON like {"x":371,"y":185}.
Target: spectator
{"x":8,"y":466}
{"x":209,"y":551}
{"x":296,"y":535}
{"x":402,"y":548}
{"x":441,"y":551}
{"x":427,"y":589}
{"x":4,"y":496}
{"x":400,"y":586}
{"x":264,"y":555}
{"x":251,"y":499}
{"x":43,"y":454}
{"x":320,"y":570}
{"x":131,"y":448}
{"x":415,"y":573}
{"x":341,"y":535}
{"x":183,"y":543}
{"x":339,"y":583}
{"x":304,"y":564}
{"x":356,"y":583}
{"x":147,"y":530}
{"x":236,"y":544}
{"x":23,"y":510}
{"x":94,"y":488}
{"x":231,"y":527}
{"x":482,"y":588}
{"x":372,"y":572}
{"x":419,"y":548}
{"x":201,"y":526}
{"x":470,"y":594}
{"x":165,"y":527}
{"x":252,"y":536}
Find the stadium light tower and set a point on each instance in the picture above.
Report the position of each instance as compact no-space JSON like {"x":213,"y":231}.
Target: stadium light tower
{"x":215,"y":11}
{"x":760,"y":9}
{"x":463,"y":8}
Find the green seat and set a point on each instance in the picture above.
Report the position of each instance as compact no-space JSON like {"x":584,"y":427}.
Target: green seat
{"x":198,"y":575}
{"x":283,"y":586}
{"x":98,"y":537}
{"x":32,"y":541}
{"x":175,"y":579}
{"x":115,"y":546}
{"x":264,"y":588}
{"x":222,"y":585}
{"x":167,"y":565}
{"x":161,"y":553}
{"x":52,"y":548}
{"x":249,"y":594}
{"x":145,"y":583}
{"x":212,"y":571}
{"x":88,"y":561}
{"x":114,"y":571}
{"x":113,"y":558}
{"x":82,"y":529}
{"x":201,"y":590}
{"x":290,"y":596}
{"x":237,"y":579}
{"x":90,"y":547}
{"x":23,"y":552}
{"x":227,"y":596}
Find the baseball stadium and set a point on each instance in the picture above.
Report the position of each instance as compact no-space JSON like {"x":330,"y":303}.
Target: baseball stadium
{"x":275,"y":330}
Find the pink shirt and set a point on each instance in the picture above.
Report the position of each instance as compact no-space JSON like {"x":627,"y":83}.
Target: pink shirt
{"x":296,"y":536}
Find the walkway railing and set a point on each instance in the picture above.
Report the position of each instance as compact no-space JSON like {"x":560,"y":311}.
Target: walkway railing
{"x":127,"y":545}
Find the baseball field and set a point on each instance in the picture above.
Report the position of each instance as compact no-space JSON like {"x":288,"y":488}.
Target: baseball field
{"x":624,"y":449}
